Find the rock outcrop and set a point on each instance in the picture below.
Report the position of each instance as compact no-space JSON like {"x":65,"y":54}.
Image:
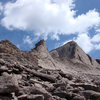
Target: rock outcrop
{"x":72,"y":51}
{"x":66,"y":73}
{"x":44,"y":58}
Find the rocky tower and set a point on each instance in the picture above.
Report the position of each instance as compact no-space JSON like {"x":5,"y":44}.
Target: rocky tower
{"x":44,"y":58}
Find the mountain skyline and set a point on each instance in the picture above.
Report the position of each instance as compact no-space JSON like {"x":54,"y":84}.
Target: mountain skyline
{"x":57,"y":21}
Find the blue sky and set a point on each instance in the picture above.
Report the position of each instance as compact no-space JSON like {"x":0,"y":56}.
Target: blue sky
{"x":25,"y":22}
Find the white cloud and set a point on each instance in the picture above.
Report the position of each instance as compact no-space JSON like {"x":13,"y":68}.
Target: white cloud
{"x":84,"y":41}
{"x":45,"y":18}
{"x":97,"y":46}
{"x":51,"y":18}
{"x":98,"y":30}
{"x":28,"y":40}
{"x":96,"y":38}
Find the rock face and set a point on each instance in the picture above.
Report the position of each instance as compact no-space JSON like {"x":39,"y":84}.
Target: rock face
{"x":66,"y":73}
{"x":72,"y":51}
{"x":8,"y":84}
{"x":45,"y":58}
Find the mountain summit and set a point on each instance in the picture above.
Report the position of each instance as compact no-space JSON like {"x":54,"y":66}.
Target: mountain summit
{"x":65,"y":73}
{"x":71,"y":50}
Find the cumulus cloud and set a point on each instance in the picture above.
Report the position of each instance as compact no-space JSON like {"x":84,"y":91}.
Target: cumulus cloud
{"x":97,"y":46}
{"x":52,"y":18}
{"x":96,"y":38}
{"x":28,"y":40}
{"x":48,"y":18}
{"x":84,"y":41}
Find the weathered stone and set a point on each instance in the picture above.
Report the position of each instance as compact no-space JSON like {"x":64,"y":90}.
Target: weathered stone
{"x":58,"y":98}
{"x":38,"y":91}
{"x":92,"y":95}
{"x":8,"y":84}
{"x":2,"y":62}
{"x":35,"y":75}
{"x":87,"y":86}
{"x":35,"y":97}
{"x":22,"y":97}
{"x":5,"y":98}
{"x":78,"y":98}
{"x":3,"y":69}
{"x":63,"y":95}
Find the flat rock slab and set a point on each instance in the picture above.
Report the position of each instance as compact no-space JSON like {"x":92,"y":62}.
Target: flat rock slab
{"x":92,"y":95}
{"x":35,"y":97}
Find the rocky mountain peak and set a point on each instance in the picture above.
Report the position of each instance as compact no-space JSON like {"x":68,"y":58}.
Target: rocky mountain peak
{"x":36,"y":75}
{"x":7,"y":46}
{"x":41,"y":42}
{"x":41,"y":46}
{"x":71,"y":50}
{"x":68,"y":50}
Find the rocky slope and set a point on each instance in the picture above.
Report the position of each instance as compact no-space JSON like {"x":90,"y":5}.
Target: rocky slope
{"x":66,"y":73}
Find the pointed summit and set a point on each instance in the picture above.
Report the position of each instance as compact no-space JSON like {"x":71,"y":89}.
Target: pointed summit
{"x":68,"y":50}
{"x":41,"y":46}
{"x":71,"y":50}
{"x":45,"y":60}
{"x":41,"y":42}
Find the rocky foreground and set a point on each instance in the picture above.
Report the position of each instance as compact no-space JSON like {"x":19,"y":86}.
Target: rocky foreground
{"x":66,"y":73}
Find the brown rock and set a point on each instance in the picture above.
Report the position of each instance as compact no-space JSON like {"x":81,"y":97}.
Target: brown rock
{"x":5,"y":98}
{"x":78,"y":98}
{"x":23,"y":97}
{"x":35,"y":97}
{"x":8,"y":84}
{"x":3,"y":69}
{"x":92,"y":95}
{"x":87,"y":86}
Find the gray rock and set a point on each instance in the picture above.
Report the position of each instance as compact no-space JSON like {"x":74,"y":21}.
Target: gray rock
{"x":8,"y":84}
{"x":35,"y":97}
{"x":22,"y":97}
{"x":92,"y":95}
{"x":78,"y":98}
{"x":5,"y":98}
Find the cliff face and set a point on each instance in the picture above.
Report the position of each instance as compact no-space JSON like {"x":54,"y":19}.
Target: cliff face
{"x":72,"y":51}
{"x":66,"y":73}
{"x":44,"y":58}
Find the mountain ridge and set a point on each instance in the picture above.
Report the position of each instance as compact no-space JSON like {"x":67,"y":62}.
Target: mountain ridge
{"x":65,"y":73}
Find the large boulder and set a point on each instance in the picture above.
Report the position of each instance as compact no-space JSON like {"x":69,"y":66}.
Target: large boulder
{"x":35,"y":97}
{"x":8,"y":84}
{"x":90,"y":95}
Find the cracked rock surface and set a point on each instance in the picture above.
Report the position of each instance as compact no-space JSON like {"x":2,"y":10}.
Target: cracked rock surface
{"x":66,"y":73}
